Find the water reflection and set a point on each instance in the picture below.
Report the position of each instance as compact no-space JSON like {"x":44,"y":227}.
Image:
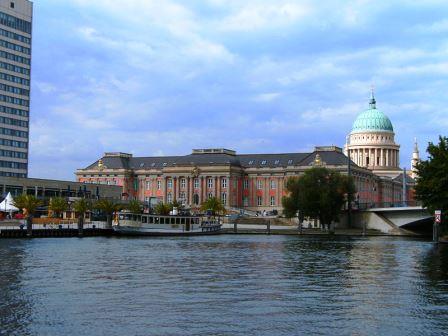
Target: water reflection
{"x":223,"y":285}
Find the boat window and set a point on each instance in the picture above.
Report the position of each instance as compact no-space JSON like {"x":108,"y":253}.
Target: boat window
{"x":144,"y":219}
{"x":128,"y":217}
{"x":150,"y":219}
{"x":121,"y":217}
{"x":182,"y":220}
{"x":177,"y":220}
{"x":139,"y":218}
{"x":157,"y":220}
{"x":161,"y":220}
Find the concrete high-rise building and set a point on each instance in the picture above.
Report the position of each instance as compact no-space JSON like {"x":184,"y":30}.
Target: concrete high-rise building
{"x":15,"y":69}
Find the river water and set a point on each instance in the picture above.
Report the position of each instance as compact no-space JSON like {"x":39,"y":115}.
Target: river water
{"x":223,"y":285}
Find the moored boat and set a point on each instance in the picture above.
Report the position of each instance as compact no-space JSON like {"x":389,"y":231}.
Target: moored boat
{"x":126,"y":223}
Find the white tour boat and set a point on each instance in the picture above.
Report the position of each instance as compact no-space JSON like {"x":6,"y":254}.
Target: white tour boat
{"x":157,"y":225}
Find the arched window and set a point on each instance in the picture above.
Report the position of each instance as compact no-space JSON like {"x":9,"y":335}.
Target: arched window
{"x":196,"y":199}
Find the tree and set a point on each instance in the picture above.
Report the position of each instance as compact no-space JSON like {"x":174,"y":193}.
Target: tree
{"x":214,"y":204}
{"x":81,"y":206}
{"x":320,"y":193}
{"x":162,"y":209}
{"x":58,"y":205}
{"x":108,"y":207}
{"x":134,"y":206}
{"x":29,"y":205}
{"x":432,"y":182}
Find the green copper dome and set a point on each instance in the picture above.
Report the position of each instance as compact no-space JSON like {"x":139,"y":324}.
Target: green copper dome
{"x":372,"y":120}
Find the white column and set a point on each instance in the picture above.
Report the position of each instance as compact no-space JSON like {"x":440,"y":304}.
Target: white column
{"x":382,"y":158}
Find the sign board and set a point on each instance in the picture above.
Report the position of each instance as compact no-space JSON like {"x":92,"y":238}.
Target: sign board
{"x":438,"y":216}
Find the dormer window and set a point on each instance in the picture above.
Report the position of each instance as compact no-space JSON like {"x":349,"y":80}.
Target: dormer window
{"x":142,"y":165}
{"x":263,"y":162}
{"x":290,"y":162}
{"x":153,"y":164}
{"x":251,"y":162}
{"x":164,"y":164}
{"x":277,"y":162}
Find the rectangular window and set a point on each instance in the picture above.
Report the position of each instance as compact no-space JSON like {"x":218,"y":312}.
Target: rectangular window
{"x":272,"y":200}
{"x":169,"y":198}
{"x":246,"y":184}
{"x":148,"y":185}
{"x":196,"y":183}
{"x":259,"y":184}
{"x":245,"y":201}
{"x":210,"y":195}
{"x":183,"y":183}
{"x":210,"y":183}
{"x":259,"y":200}
{"x":159,"y":185}
{"x":224,"y":198}
{"x":170,"y":184}
{"x":273,"y":184}
{"x":224,"y":183}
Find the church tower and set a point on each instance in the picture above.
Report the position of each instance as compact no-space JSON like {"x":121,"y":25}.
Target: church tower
{"x":415,"y":159}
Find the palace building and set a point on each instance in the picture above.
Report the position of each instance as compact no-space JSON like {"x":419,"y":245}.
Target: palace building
{"x":257,"y":181}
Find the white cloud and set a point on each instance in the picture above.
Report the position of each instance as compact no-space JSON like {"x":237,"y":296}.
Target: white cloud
{"x":255,"y":16}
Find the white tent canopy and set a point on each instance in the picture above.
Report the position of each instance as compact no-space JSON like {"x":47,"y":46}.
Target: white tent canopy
{"x":7,"y":204}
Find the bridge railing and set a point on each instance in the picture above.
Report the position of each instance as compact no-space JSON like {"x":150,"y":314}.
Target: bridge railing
{"x":370,"y":205}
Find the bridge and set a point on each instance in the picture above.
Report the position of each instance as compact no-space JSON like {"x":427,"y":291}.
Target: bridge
{"x":398,"y":219}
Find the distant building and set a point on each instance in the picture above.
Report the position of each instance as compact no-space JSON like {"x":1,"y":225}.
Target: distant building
{"x":45,"y":189}
{"x":257,"y":181}
{"x":15,"y":68}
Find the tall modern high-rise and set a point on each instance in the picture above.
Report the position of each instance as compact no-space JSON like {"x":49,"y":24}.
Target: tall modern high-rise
{"x":15,"y":69}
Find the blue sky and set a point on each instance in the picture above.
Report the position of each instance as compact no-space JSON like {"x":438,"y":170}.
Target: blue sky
{"x":162,"y":77}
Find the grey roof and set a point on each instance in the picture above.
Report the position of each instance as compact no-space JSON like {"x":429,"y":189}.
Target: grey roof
{"x":243,"y":160}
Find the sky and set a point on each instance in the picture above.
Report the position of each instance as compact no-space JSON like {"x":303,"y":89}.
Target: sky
{"x":162,"y":77}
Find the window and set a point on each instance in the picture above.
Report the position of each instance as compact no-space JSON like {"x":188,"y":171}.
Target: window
{"x":272,"y":200}
{"x":251,"y":162}
{"x":182,"y":197}
{"x":263,"y":162}
{"x":210,"y":183}
{"x":183,"y":183}
{"x":224,"y":198}
{"x":210,"y":195}
{"x":273,"y":184}
{"x":259,"y":200}
{"x":290,"y":162}
{"x":169,"y":198}
{"x":245,"y":201}
{"x":148,"y":185}
{"x":224,"y":182}
{"x":146,"y":199}
{"x":159,"y":185}
{"x":246,"y":184}
{"x":259,"y":184}
{"x":164,"y":164}
{"x":277,"y":162}
{"x":196,"y":199}
{"x":170,"y":184}
{"x":196,"y":183}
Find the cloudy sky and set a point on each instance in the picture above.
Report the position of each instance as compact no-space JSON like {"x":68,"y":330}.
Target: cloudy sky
{"x":162,"y":77}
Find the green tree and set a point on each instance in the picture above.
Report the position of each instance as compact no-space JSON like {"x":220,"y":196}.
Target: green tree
{"x":58,"y":205}
{"x":432,"y":180}
{"x":320,"y":193}
{"x":81,"y":206}
{"x":29,"y":205}
{"x":163,"y":209}
{"x":108,"y":207}
{"x":134,"y":206}
{"x":214,"y":204}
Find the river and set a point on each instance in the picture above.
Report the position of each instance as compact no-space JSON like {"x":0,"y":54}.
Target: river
{"x":223,"y":285}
